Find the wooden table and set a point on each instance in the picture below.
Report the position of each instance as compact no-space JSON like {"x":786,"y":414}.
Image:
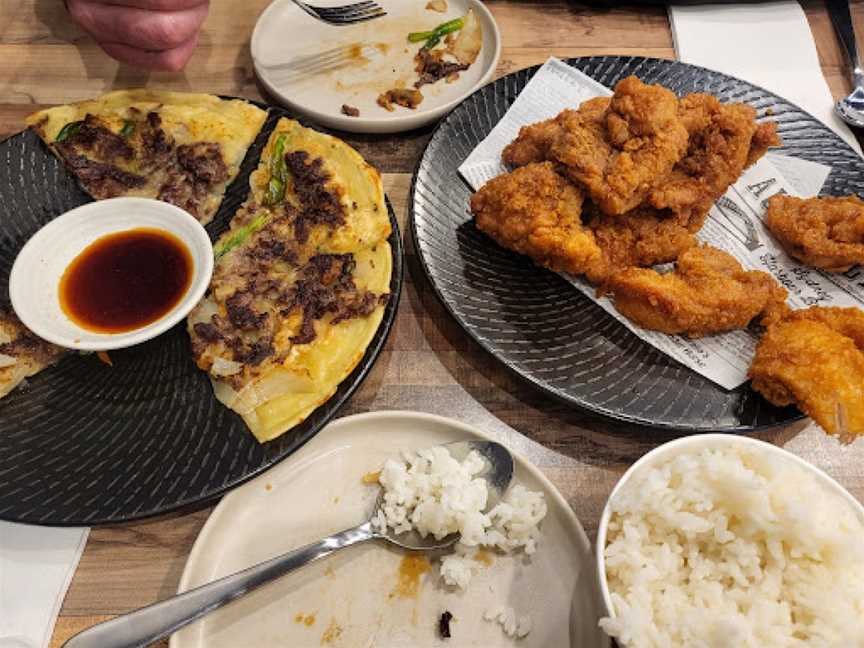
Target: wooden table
{"x":429,"y":363}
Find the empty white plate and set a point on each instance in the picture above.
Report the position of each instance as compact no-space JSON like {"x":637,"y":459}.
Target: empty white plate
{"x":348,"y":599}
{"x":375,"y":55}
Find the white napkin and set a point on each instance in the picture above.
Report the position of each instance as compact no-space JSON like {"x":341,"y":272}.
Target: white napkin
{"x":36,"y":567}
{"x":766,"y":43}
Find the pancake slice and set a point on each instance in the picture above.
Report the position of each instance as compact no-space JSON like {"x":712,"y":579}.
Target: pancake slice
{"x":178,"y":147}
{"x":300,"y":284}
{"x":22,"y":354}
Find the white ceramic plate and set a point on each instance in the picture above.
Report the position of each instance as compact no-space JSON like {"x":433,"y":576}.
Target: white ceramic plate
{"x":378,"y":57}
{"x":317,"y":491}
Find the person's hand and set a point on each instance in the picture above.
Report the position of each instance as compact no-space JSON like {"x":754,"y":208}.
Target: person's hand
{"x":152,"y":34}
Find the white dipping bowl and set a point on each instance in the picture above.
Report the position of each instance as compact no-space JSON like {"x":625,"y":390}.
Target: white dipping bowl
{"x":35,"y":278}
{"x":696,"y":443}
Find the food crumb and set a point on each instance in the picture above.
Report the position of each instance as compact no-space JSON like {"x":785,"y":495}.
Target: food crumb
{"x":411,"y":569}
{"x":405,"y":97}
{"x":305,"y":619}
{"x":329,"y":572}
{"x":104,"y":357}
{"x":483,"y":557}
{"x":371,"y":477}
{"x":350,"y":111}
{"x":268,"y":487}
{"x":437,"y":5}
{"x":444,"y":624}
{"x":332,"y":633}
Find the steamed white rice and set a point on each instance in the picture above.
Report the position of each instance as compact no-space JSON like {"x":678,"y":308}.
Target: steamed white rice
{"x":437,"y":495}
{"x":734,"y":548}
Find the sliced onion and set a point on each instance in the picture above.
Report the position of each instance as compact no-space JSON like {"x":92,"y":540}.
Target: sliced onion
{"x":467,"y":45}
{"x":275,"y":383}
{"x":222,"y":367}
{"x":204,"y":311}
{"x":7,"y":360}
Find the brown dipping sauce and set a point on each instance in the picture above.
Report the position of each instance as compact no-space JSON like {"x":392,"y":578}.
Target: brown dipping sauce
{"x":124,"y":281}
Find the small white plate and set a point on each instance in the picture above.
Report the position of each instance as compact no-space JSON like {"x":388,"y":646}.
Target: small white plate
{"x":318,"y":491}
{"x":35,"y":278}
{"x":284,"y":33}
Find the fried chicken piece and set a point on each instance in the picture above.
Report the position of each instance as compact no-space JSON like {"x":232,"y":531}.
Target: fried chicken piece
{"x":642,"y":237}
{"x":708,"y":292}
{"x":826,"y":233}
{"x":764,"y":138}
{"x":619,"y":154}
{"x":846,"y":321}
{"x":722,"y":143}
{"x":533,"y":142}
{"x":535,"y":211}
{"x":815,"y":358}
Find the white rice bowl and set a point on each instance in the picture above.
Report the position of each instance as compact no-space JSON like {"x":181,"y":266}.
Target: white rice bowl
{"x":722,"y":541}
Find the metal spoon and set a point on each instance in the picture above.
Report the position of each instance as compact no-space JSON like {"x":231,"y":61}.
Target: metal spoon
{"x":851,"y":108}
{"x":149,"y":624}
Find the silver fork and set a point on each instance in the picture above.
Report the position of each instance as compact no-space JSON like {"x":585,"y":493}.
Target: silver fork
{"x":334,"y":58}
{"x":344,"y":14}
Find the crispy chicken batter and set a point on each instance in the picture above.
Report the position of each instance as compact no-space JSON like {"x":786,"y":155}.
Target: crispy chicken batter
{"x":708,"y":292}
{"x":534,"y":141}
{"x":825,"y":233}
{"x":722,"y":140}
{"x":764,"y":138}
{"x":815,"y":359}
{"x":642,"y":237}
{"x":618,"y":155}
{"x":722,"y":144}
{"x":535,"y":211}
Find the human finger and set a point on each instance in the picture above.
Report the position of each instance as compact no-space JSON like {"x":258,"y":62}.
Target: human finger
{"x":138,"y":28}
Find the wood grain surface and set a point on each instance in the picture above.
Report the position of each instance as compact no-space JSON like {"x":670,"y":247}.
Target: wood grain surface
{"x":429,"y":364}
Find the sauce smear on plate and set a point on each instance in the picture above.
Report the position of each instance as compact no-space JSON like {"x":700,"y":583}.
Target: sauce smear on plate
{"x":127,"y":280}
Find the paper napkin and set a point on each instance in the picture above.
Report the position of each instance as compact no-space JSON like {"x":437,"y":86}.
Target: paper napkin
{"x":766,"y":43}
{"x":36,"y":567}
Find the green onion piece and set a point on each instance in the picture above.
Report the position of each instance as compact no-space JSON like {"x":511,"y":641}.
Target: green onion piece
{"x":450,"y":26}
{"x":416,"y":37}
{"x":240,"y":236}
{"x":432,"y":42}
{"x":275,"y":191}
{"x":435,"y":35}
{"x":278,"y":173}
{"x":128,"y":128}
{"x":68,"y":131}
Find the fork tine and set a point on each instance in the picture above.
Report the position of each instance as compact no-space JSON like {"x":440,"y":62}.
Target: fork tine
{"x":343,"y":19}
{"x":355,"y":6}
{"x":332,"y":59}
{"x":349,"y":8}
{"x":350,"y":14}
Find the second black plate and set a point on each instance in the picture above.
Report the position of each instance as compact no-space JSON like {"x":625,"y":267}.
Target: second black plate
{"x":541,"y":327}
{"x":83,"y":443}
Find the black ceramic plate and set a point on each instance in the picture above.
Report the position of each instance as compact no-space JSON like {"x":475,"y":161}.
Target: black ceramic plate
{"x":541,"y":327}
{"x":83,"y":443}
